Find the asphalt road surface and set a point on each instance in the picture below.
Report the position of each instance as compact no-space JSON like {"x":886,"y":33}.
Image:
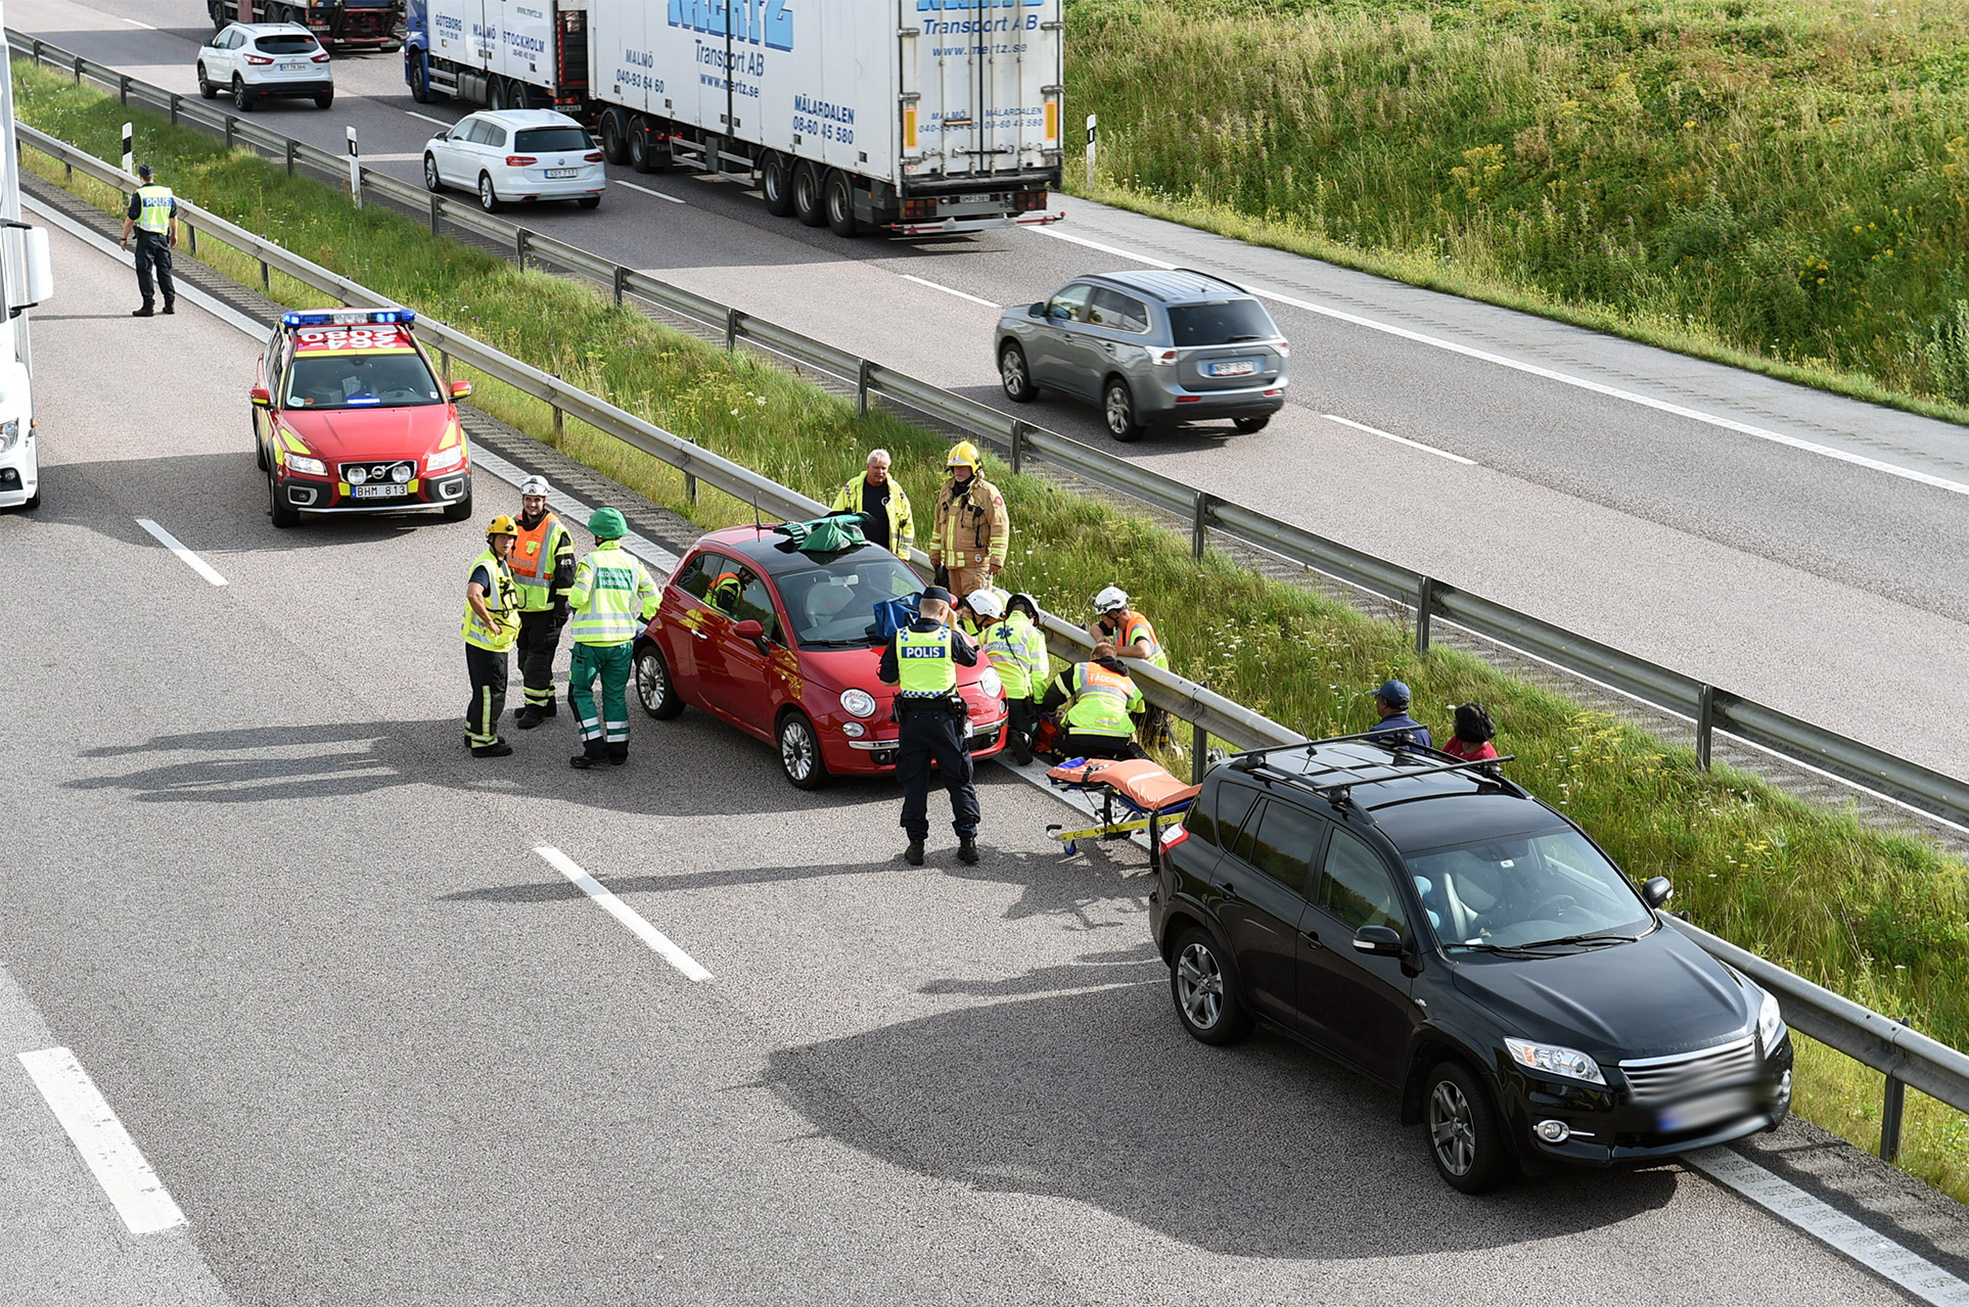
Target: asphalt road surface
{"x":380,"y":1051}
{"x":1824,"y":587}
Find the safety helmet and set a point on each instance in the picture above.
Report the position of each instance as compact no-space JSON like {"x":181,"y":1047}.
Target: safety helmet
{"x":1111,"y":600}
{"x":607,"y":524}
{"x":985,"y":603}
{"x":503,"y":525}
{"x":1022,"y":598}
{"x":963,"y":454}
{"x":535,"y":485}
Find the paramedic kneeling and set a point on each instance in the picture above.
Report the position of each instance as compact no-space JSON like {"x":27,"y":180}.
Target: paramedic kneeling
{"x":921,"y":662}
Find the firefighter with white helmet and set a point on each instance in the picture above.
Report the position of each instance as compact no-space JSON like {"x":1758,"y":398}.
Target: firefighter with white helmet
{"x":1118,"y":624}
{"x":543,"y":568}
{"x":972,"y":532}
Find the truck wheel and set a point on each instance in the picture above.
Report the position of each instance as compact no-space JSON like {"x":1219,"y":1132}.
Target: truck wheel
{"x":808,"y":202}
{"x":641,"y":157}
{"x":218,"y":12}
{"x":615,"y":148}
{"x":776,"y":184}
{"x":495,"y":94}
{"x":418,"y":74}
{"x":840,"y":199}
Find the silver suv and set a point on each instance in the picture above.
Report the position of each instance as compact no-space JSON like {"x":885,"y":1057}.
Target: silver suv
{"x":1149,"y":347}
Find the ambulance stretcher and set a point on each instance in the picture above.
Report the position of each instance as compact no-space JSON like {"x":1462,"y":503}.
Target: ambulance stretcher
{"x":1135,"y":795}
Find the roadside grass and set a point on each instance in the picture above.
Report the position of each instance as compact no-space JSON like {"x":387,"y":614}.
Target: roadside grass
{"x":1882,"y":919}
{"x":1775,"y":184}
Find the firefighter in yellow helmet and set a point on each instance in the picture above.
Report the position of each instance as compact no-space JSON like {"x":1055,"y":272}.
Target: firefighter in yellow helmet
{"x":972,"y":532}
{"x":492,"y":623}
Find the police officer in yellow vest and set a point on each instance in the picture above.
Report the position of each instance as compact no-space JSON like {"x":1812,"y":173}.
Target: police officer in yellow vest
{"x":922,"y":664}
{"x":611,"y":599}
{"x":492,"y":622}
{"x":1095,"y":699}
{"x":153,"y":214}
{"x":543,"y":568}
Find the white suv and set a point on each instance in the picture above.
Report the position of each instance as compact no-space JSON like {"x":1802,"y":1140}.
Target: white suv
{"x":255,"y":61}
{"x":517,"y":154}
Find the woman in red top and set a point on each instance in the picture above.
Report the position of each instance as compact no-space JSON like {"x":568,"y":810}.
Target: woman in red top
{"x":1471,"y":739}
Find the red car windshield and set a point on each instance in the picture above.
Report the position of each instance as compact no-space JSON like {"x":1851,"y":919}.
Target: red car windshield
{"x":360,"y":380}
{"x":831,"y":604}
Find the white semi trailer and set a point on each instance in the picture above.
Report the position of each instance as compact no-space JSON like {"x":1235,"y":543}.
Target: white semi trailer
{"x":26,"y":279}
{"x":910,"y":116}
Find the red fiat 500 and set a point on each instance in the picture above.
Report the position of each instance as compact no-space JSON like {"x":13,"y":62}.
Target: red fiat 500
{"x":780,"y":643}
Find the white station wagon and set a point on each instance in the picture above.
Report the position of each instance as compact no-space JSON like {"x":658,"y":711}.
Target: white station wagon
{"x":512,"y":155}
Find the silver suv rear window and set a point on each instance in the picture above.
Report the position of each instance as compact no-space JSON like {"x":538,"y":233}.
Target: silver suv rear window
{"x":1230,"y":322}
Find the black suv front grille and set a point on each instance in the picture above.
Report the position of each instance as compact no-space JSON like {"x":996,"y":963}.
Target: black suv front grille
{"x":1657,"y":1079}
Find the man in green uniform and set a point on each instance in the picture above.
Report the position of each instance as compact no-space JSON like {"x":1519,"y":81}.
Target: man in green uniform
{"x":492,"y":623}
{"x":611,"y":599}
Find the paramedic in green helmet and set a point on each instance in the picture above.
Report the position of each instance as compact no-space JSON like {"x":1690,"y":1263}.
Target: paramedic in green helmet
{"x":611,"y":600}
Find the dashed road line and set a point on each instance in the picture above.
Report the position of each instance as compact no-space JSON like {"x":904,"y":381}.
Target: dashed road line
{"x":1871,"y":1249}
{"x":647,"y":191}
{"x":134,"y":23}
{"x":622,"y":912}
{"x":1563,"y":378}
{"x":111,"y":1154}
{"x":1400,"y":440}
{"x":427,"y":118}
{"x":191,"y":560}
{"x":949,"y":291}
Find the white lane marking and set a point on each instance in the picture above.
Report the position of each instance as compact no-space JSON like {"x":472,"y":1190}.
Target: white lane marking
{"x":1563,"y":378}
{"x":1400,"y":440}
{"x":391,"y":158}
{"x":1882,"y":1255}
{"x":1115,"y":250}
{"x":118,"y":1165}
{"x":134,"y":23}
{"x":948,"y":291}
{"x":623,"y":913}
{"x":427,"y":118}
{"x":573,"y":510}
{"x":191,"y":560}
{"x":647,"y":191}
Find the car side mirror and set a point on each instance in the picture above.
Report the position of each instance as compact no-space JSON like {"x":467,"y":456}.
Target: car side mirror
{"x":1037,"y":310}
{"x":1657,"y":890}
{"x":460,"y":389}
{"x":753,"y":631}
{"x":1381,"y":941}
{"x":261,"y":397}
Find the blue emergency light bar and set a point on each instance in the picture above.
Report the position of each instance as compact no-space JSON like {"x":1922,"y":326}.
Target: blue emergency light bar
{"x":347,"y":317}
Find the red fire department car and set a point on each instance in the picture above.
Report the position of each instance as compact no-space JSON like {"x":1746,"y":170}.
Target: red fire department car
{"x":782,"y":644}
{"x":349,"y":416}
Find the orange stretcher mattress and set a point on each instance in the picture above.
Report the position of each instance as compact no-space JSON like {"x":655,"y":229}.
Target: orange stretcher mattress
{"x":1141,"y":784}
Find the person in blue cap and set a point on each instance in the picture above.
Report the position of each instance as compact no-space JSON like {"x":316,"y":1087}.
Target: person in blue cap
{"x":1391,"y":701}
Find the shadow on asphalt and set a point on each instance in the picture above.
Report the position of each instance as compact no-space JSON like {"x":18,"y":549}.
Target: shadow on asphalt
{"x":1264,"y":1149}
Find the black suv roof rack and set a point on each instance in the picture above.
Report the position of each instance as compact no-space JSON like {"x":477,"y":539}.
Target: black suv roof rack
{"x":1341,"y":791}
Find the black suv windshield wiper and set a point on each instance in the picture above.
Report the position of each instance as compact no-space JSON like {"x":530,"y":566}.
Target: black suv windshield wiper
{"x":1479,"y":946}
{"x":1593,"y":938}
{"x":1248,"y":336}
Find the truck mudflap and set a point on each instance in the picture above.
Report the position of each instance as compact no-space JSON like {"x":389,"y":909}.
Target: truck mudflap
{"x":364,"y":28}
{"x":972,"y":224}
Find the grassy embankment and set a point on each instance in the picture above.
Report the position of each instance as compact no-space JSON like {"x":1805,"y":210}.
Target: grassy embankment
{"x":1881,"y":919}
{"x":1779,"y":184}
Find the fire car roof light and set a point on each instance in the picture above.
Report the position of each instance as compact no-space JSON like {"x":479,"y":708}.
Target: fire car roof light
{"x":348,"y":317}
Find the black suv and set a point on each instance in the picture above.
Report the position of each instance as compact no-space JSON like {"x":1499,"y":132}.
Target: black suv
{"x":1437,"y":927}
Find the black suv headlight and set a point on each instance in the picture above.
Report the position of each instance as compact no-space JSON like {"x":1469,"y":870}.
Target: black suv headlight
{"x":1555,"y":1060}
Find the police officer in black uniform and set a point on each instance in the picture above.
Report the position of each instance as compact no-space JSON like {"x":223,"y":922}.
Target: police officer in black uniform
{"x":922,"y":662}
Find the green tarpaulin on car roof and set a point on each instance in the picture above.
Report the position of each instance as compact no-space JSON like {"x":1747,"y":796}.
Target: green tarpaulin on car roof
{"x":824,"y":535}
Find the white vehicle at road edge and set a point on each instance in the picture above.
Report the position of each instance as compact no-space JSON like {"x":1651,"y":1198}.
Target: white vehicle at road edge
{"x":26,"y":279}
{"x":252,"y":62}
{"x":508,"y":155}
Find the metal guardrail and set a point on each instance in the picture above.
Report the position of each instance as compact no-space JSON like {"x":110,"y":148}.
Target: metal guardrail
{"x":1711,"y":708}
{"x":1904,"y":1056}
